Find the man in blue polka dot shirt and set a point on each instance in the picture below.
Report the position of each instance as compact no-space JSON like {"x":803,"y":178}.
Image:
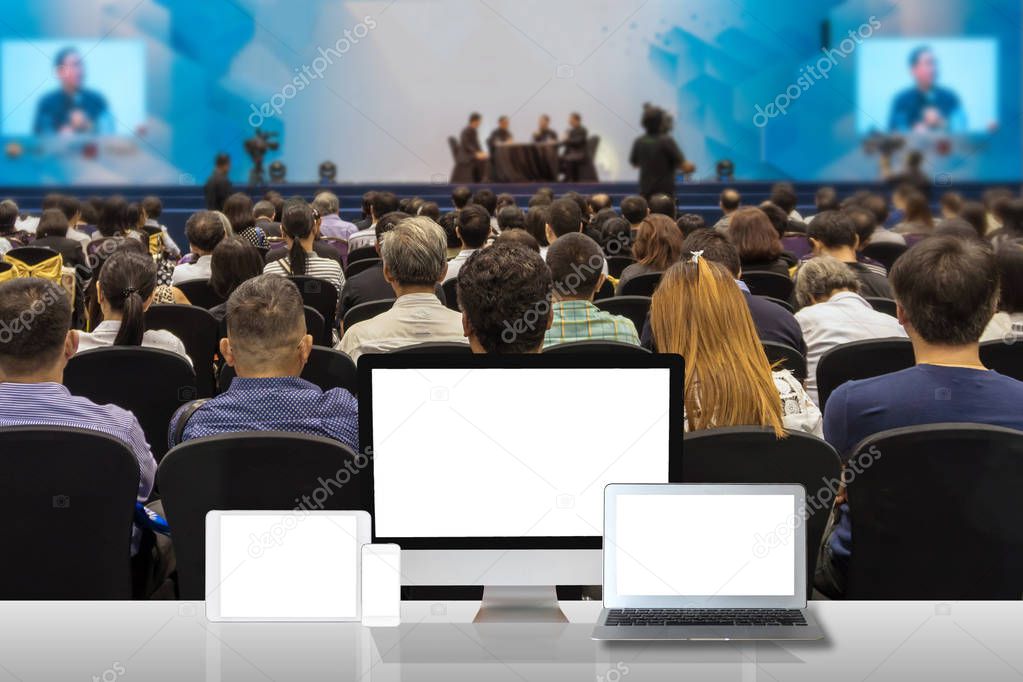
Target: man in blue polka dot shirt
{"x":268,"y":346}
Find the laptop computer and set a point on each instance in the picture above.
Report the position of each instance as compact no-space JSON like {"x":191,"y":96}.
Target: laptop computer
{"x":704,"y":562}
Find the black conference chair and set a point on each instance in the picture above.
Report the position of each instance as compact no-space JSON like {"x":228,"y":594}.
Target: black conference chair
{"x":200,"y":293}
{"x":1004,"y":358}
{"x":616,"y":265}
{"x":935,"y":515}
{"x":450,"y":288}
{"x":777,"y":301}
{"x":326,"y":367}
{"x":882,"y":305}
{"x":885,"y":253}
{"x":366,"y":311}
{"x":861,"y":360}
{"x":641,"y":285}
{"x":606,"y":290}
{"x":788,"y":357}
{"x":588,"y":167}
{"x":320,"y":295}
{"x":441,"y":347}
{"x":752,"y":454}
{"x":770,"y":284}
{"x":69,"y":497}
{"x":362,"y":265}
{"x":633,"y":307}
{"x":362,"y":253}
{"x":150,"y":383}
{"x":461,"y":172}
{"x":607,"y":347}
{"x":198,"y":330}
{"x":314,"y":324}
{"x":251,"y":470}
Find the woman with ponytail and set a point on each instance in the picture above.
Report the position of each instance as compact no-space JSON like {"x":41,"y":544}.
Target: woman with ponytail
{"x":300,"y":226}
{"x":126,"y":287}
{"x":699,"y":312}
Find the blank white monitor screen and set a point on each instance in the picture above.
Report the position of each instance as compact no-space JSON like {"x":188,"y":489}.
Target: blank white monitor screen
{"x":512,"y":452}
{"x":705,"y":545}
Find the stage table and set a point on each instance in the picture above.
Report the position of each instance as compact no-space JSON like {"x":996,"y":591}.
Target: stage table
{"x":526,"y":162}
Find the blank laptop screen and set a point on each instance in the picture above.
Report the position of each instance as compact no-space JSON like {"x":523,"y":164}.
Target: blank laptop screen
{"x":512,"y":452}
{"x":705,"y":545}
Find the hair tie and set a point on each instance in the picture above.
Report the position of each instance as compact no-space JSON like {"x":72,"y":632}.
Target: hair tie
{"x":128,"y":291}
{"x":696,"y":256}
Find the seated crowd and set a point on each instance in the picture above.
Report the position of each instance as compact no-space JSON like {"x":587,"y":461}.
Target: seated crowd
{"x":495,"y":278}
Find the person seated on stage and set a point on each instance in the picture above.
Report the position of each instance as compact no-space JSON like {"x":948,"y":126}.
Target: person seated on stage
{"x":698,"y":312}
{"x":510,"y":218}
{"x":657,"y":156}
{"x":519,"y":237}
{"x":499,"y":135}
{"x":576,"y":262}
{"x":204,"y":231}
{"x":575,"y":152}
{"x":414,"y":263}
{"x":32,"y":366}
{"x":833,"y":233}
{"x":267,"y":346}
{"x":504,"y":291}
{"x":947,"y":291}
{"x":729,"y":203}
{"x":832,"y":312}
{"x":544,"y":133}
{"x":658,"y":246}
{"x":663,"y":204}
{"x":635,"y":209}
{"x":469,"y":141}
{"x":473,"y":230}
{"x":382,"y":203}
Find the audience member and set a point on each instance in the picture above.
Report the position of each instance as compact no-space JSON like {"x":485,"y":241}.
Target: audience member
{"x":865,"y":226}
{"x":663,"y":204}
{"x":832,"y":312}
{"x":993,"y":200}
{"x":690,"y":222}
{"x":658,"y":246}
{"x":460,"y":197}
{"x":239,"y":211}
{"x":516,"y":236}
{"x":564,"y":217}
{"x":234,"y":261}
{"x":758,"y":243}
{"x":576,"y":263}
{"x":113,"y":219}
{"x":824,"y":199}
{"x":950,"y":203}
{"x":834,"y":234}
{"x":729,"y":203}
{"x":51,"y":232}
{"x":616,"y":236}
{"x":381,"y":204}
{"x":370,"y":284}
{"x":917,"y":219}
{"x":1011,"y":215}
{"x":299,"y":227}
{"x":72,"y":210}
{"x":414,"y":263}
{"x":537,"y":218}
{"x":1007,"y":324}
{"x":973,"y":212}
{"x":10,"y":235}
{"x":699,"y":313}
{"x":204,"y":231}
{"x":267,"y":345}
{"x":634,"y":209}
{"x":473,"y":230}
{"x":783,"y":195}
{"x":949,"y":382}
{"x":154,"y":209}
{"x":430,"y":209}
{"x":510,"y":217}
{"x":331,"y":224}
{"x":263,"y":213}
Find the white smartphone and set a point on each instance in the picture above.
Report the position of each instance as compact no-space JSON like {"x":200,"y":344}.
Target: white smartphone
{"x":381,"y":585}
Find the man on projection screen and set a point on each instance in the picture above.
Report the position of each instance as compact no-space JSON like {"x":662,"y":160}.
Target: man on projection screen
{"x":72,"y":109}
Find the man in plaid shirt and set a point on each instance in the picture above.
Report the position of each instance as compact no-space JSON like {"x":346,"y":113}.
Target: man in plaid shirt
{"x":577,"y":263}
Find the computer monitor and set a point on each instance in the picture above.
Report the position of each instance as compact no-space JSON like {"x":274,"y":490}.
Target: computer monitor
{"x":490,"y":470}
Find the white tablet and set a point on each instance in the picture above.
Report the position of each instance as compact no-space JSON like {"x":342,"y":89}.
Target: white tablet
{"x":284,"y":565}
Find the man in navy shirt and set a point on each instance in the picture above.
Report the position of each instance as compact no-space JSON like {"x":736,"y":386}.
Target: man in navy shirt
{"x":947,"y":290}
{"x":72,"y":109}
{"x":268,"y":346}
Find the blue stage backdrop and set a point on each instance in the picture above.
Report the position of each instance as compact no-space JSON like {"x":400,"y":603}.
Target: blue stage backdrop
{"x":784,"y":90}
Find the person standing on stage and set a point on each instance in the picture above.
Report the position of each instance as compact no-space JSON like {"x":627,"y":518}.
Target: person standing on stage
{"x":657,"y":155}
{"x":544,"y":133}
{"x":470,"y":142}
{"x":575,"y":152}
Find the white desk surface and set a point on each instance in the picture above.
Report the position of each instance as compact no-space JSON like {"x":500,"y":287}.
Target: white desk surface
{"x":867,"y":641}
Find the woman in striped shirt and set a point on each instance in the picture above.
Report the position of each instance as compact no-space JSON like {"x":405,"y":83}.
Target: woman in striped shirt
{"x":299,"y":225}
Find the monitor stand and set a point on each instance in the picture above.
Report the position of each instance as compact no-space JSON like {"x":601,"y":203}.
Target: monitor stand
{"x":520,"y":604}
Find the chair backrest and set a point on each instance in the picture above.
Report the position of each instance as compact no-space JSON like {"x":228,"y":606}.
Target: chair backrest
{"x":592,"y":144}
{"x":777,"y":301}
{"x":450,"y":288}
{"x":251,"y":470}
{"x":361,"y":253}
{"x":769,"y":284}
{"x":882,"y":305}
{"x":326,"y":367}
{"x":314,"y":324}
{"x":366,"y":311}
{"x":752,"y":454}
{"x":149,"y":382}
{"x":635,"y":308}
{"x":1004,"y":358}
{"x":790,"y":358}
{"x":616,"y":265}
{"x":362,"y":265}
{"x":885,"y":253}
{"x":861,"y":360}
{"x":200,"y":293}
{"x":642,"y":285}
{"x":934,"y":513}
{"x":198,"y":330}
{"x":797,"y":244}
{"x":322,"y":296}
{"x":595,"y":347}
{"x":69,"y":499}
{"x":437,"y":347}
{"x":453,"y":146}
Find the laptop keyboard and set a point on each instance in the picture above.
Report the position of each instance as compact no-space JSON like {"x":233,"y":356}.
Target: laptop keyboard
{"x":709,"y":617}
